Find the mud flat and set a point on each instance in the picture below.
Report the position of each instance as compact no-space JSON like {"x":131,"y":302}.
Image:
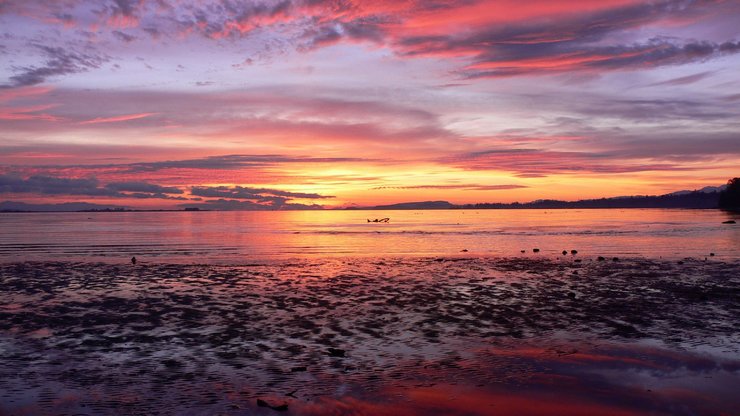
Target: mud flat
{"x":371,"y":336}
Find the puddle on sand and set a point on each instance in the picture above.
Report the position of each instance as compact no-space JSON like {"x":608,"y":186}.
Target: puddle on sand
{"x":513,"y":377}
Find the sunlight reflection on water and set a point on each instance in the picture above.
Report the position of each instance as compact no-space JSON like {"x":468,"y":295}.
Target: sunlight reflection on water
{"x":234,"y":237}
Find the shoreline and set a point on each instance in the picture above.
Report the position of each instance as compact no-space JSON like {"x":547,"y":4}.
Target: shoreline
{"x":543,"y":256}
{"x":326,"y":334}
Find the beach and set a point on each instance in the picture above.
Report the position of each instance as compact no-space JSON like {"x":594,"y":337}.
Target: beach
{"x":467,"y":335}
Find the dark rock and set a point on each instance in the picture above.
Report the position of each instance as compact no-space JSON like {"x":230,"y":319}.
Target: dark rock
{"x":711,"y":254}
{"x":298,"y":369}
{"x":523,"y":251}
{"x":680,"y":262}
{"x":565,"y":252}
{"x":574,"y":252}
{"x":133,"y":260}
{"x":535,"y":250}
{"x":465,"y":250}
{"x":600,"y":258}
{"x":615,"y":259}
{"x":571,"y":295}
{"x":170,"y":363}
{"x":336,"y":352}
{"x":729,"y":222}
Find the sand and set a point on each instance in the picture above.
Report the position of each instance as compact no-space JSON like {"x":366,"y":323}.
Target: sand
{"x":371,"y":336}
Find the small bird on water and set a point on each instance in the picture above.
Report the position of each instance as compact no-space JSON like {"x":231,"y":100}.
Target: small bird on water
{"x":133,"y":260}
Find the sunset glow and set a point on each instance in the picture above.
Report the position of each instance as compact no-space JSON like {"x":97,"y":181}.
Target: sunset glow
{"x":296,"y":104}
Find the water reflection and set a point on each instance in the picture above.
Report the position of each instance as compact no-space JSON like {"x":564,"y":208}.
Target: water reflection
{"x":235,"y":237}
{"x":547,"y":376}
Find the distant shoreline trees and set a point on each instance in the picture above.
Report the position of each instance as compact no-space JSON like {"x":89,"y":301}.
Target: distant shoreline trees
{"x":729,"y":199}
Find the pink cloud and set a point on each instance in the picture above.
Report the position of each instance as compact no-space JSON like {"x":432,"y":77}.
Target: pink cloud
{"x":27,"y":113}
{"x":11,"y":94}
{"x":117,"y":119}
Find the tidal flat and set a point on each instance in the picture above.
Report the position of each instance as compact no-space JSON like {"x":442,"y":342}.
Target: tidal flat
{"x":420,"y":336}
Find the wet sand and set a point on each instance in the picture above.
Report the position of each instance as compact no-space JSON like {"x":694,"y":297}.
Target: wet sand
{"x":371,"y":336}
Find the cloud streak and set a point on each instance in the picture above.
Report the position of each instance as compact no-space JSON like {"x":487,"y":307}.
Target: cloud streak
{"x":117,"y":119}
{"x":237,"y":205}
{"x":229,"y":162}
{"x":240,"y":192}
{"x":49,"y":185}
{"x":466,"y":187}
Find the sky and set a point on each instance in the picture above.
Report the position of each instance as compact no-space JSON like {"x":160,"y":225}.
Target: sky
{"x":293,"y":104}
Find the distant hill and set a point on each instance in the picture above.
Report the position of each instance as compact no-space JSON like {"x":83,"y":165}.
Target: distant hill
{"x":704,"y":198}
{"x":697,"y":200}
{"x":413,"y":205}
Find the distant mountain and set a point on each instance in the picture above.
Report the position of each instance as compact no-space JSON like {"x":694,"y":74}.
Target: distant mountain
{"x":13,"y":206}
{"x":706,"y":190}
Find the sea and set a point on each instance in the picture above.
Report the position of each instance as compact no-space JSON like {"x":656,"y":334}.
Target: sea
{"x":247,"y":236}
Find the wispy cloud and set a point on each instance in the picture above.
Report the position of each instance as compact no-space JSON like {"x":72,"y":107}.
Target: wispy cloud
{"x":117,"y":119}
{"x":685,"y":80}
{"x":59,"y":61}
{"x":230,"y":162}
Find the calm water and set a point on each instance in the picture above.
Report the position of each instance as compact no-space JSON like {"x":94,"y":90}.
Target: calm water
{"x":234,"y":237}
